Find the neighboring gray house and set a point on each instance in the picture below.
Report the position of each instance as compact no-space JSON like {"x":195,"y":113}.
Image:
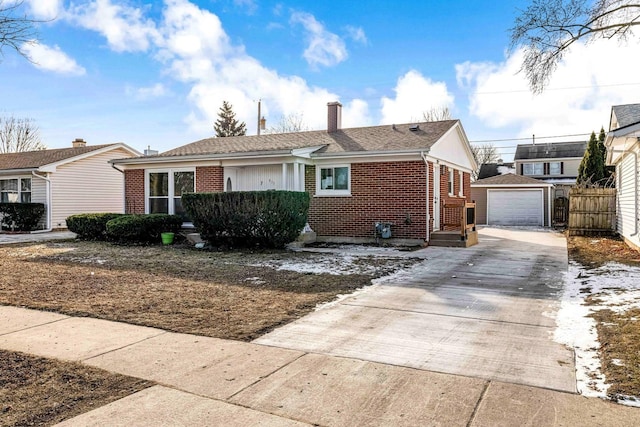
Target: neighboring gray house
{"x":555,"y":163}
{"x":487,"y":170}
{"x":623,"y":151}
{"x":68,"y":181}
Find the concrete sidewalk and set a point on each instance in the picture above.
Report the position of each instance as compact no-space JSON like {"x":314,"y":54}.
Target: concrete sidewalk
{"x":209,"y":381}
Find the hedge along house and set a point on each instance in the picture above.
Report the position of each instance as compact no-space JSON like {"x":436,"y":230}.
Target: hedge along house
{"x":67,"y":181}
{"x":398,"y":174}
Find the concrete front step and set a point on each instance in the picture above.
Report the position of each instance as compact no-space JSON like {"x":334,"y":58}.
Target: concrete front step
{"x":452,"y":239}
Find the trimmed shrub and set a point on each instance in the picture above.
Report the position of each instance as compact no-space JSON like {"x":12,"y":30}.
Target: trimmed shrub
{"x":91,"y":226}
{"x":21,"y":216}
{"x":267,"y":219}
{"x":142,"y":228}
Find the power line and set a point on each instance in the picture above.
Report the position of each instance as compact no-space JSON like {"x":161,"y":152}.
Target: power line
{"x":497,"y":92}
{"x":529,"y":138}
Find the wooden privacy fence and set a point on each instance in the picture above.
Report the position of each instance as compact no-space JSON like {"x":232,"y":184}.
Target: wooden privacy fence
{"x":592,"y":211}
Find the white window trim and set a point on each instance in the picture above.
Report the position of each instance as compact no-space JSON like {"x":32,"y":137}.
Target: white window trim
{"x":559,"y":169}
{"x":461,"y":177}
{"x":451,"y":182}
{"x":20,"y":178}
{"x":170,"y":196}
{"x":333,"y":193}
{"x":533,"y":166}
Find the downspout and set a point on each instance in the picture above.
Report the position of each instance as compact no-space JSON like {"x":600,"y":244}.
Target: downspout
{"x":548,"y":207}
{"x":48,"y":197}
{"x":428,"y":219}
{"x":124,"y":189}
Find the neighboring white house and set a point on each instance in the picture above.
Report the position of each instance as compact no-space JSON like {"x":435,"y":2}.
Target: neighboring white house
{"x":623,"y":151}
{"x":68,"y":181}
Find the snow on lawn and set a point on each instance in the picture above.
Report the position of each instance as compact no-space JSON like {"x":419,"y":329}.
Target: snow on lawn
{"x":614,"y":286}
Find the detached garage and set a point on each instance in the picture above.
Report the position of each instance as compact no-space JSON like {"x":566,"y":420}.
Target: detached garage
{"x":510,"y":199}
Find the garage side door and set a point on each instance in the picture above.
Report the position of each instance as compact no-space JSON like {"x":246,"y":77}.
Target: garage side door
{"x":515,"y":207}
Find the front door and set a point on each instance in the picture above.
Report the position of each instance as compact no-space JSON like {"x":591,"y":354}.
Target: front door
{"x":436,"y":197}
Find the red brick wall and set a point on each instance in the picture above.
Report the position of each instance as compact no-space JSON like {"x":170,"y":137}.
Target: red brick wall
{"x":386,"y":192}
{"x":134,"y":191}
{"x":209,"y":179}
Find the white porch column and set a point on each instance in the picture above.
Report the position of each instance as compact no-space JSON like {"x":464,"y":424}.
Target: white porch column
{"x":284,"y":176}
{"x":296,"y":176}
{"x":302,"y":177}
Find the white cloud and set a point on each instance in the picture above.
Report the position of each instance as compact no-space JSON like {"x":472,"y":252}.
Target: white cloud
{"x":415,"y":94}
{"x":578,"y":99}
{"x":357,"y":34}
{"x":125,"y":28}
{"x":52,"y":59}
{"x":46,"y":9}
{"x":325,"y":48}
{"x":199,"y":52}
{"x":143,"y":93}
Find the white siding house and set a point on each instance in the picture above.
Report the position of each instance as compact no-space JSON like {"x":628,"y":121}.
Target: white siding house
{"x":67,"y":181}
{"x":623,"y":151}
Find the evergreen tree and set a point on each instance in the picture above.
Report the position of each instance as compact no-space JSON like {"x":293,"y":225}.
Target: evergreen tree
{"x":227,"y":124}
{"x":608,"y":170}
{"x":592,"y":166}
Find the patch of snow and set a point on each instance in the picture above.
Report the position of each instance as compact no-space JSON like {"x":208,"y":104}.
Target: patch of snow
{"x":613,"y":286}
{"x":503,"y":170}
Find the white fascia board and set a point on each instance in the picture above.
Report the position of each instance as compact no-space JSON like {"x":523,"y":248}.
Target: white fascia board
{"x":463,"y":136}
{"x":445,"y":163}
{"x":618,"y":146}
{"x":510,"y":185}
{"x":201,"y":157}
{"x":7,"y":172}
{"x":51,"y":167}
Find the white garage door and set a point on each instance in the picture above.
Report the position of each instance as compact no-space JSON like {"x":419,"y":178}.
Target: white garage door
{"x":515,"y":207}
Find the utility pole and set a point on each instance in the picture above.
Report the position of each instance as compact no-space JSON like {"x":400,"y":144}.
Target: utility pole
{"x":259,"y":105}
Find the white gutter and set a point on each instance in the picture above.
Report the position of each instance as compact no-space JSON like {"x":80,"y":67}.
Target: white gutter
{"x":48,"y":197}
{"x":549,"y":207}
{"x":426,"y":165}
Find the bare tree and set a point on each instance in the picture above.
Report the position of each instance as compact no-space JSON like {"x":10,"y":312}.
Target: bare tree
{"x":293,"y":122}
{"x":437,"y":114}
{"x":484,"y":153}
{"x":547,"y":28}
{"x":18,"y":135}
{"x":16,"y":27}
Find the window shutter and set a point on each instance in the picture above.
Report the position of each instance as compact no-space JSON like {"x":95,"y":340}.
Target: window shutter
{"x":561,"y":168}
{"x":545,"y":169}
{"x":521,"y":168}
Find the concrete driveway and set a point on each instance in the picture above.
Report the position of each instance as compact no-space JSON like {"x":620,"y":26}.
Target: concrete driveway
{"x":487,"y":311}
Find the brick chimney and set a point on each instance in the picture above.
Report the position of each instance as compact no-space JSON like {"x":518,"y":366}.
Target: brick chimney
{"x":334,"y":121}
{"x":79,"y":142}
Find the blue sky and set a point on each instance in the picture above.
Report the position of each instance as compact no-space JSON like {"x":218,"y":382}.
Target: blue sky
{"x":155,"y":74}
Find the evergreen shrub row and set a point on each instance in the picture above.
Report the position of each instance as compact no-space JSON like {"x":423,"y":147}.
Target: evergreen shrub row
{"x":21,"y":216}
{"x":265,"y":219}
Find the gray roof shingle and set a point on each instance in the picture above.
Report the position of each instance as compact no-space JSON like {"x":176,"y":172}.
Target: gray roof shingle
{"x":373,"y":138}
{"x":626,"y":115}
{"x":36,"y":159}
{"x":509,"y":179}
{"x":553,"y":150}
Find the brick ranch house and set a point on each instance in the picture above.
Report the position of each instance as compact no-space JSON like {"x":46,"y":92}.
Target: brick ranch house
{"x":399,"y":174}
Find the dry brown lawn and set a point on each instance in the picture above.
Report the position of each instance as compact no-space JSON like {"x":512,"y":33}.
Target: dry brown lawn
{"x":618,"y":333}
{"x":224,"y":295}
{"x":36,"y":391}
{"x":233,"y":295}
